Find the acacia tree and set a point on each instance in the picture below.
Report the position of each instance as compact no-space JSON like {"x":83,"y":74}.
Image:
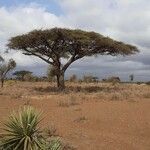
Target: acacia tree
{"x":21,"y":74}
{"x":57,"y":44}
{"x":5,"y":68}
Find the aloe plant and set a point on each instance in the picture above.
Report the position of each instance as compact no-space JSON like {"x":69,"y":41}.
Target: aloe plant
{"x":21,"y":131}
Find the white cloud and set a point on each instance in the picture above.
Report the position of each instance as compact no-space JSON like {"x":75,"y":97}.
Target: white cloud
{"x":14,"y":21}
{"x":23,"y":19}
{"x":125,"y":20}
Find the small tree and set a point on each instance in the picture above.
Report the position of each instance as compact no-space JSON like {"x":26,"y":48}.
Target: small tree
{"x":90,"y":78}
{"x":112,"y":79}
{"x":5,"y":68}
{"x":21,"y":74}
{"x":29,"y":77}
{"x":131,"y":77}
{"x":95,"y":79}
{"x":73,"y":78}
{"x":56,"y":44}
{"x":87,"y":78}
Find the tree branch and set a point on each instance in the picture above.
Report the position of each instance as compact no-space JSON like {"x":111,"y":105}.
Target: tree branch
{"x":71,"y":60}
{"x":31,"y":53}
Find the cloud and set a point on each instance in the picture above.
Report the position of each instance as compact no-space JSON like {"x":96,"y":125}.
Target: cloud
{"x":23,"y":19}
{"x":19,"y":20}
{"x":124,"y":20}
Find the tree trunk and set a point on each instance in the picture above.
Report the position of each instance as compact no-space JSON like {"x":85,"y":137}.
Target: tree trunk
{"x":2,"y":83}
{"x":22,"y":78}
{"x":61,"y":81}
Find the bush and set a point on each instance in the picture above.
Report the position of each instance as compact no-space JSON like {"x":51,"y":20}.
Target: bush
{"x":112,"y":79}
{"x":89,"y":79}
{"x":148,"y":83}
{"x":73,"y":78}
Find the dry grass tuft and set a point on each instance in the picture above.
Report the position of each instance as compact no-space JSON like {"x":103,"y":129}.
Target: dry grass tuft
{"x":51,"y":131}
{"x":146,"y":95}
{"x":81,"y":119}
{"x":70,"y":101}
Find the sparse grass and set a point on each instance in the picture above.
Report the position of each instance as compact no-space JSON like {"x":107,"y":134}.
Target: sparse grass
{"x":146,"y":95}
{"x":94,"y":106}
{"x":10,"y":82}
{"x":67,"y":146}
{"x":80,"y":119}
{"x":51,"y":131}
{"x":99,"y":91}
{"x":63,"y":104}
{"x":28,"y":102}
{"x":77,"y":109}
{"x":115,"y":97}
{"x":70,"y":101}
{"x":16,"y":95}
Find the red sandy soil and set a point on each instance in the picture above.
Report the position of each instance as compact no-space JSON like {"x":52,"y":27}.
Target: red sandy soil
{"x":91,"y":124}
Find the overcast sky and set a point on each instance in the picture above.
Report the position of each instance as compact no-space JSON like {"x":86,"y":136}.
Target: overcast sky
{"x":123,"y":20}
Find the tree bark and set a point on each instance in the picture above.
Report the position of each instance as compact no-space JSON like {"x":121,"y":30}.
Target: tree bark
{"x":61,"y":81}
{"x":22,"y":78}
{"x":2,"y":83}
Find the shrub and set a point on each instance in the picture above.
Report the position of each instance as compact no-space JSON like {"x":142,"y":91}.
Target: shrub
{"x":148,"y":83}
{"x":73,"y":78}
{"x":89,"y":78}
{"x":112,"y":79}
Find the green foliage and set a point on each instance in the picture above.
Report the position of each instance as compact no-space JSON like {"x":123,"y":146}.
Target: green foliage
{"x":112,"y":79}
{"x":65,"y":42}
{"x":21,"y":74}
{"x":29,"y":77}
{"x":52,"y":45}
{"x":5,"y":68}
{"x":21,"y":132}
{"x":54,"y":144}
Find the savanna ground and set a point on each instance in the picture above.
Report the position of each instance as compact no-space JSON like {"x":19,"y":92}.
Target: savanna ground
{"x":88,"y":116}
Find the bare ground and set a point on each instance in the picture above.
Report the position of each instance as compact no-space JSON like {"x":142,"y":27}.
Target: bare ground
{"x":87,"y":116}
